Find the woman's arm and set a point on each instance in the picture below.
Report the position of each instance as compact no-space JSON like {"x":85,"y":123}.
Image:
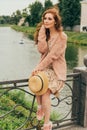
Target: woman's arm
{"x":54,"y":54}
{"x":42,"y":44}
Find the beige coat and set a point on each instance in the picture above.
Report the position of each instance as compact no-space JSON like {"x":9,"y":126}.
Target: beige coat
{"x":56,"y":55}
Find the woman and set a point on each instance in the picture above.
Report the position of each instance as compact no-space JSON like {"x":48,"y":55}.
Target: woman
{"x":51,"y":43}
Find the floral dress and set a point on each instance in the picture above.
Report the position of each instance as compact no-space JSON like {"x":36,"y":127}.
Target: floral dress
{"x":55,"y":85}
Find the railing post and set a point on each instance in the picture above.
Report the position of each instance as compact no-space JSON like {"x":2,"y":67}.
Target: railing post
{"x":79,"y":108}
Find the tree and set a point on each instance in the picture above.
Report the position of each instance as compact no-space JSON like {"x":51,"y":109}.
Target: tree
{"x":70,"y":12}
{"x":2,"y":20}
{"x":18,"y":16}
{"x":47,"y":4}
{"x":15,"y":17}
{"x":25,"y":13}
{"x":35,"y":10}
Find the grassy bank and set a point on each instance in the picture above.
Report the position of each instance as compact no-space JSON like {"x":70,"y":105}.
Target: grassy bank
{"x":29,"y":31}
{"x":16,"y":108}
{"x":4,"y":25}
{"x":15,"y":104}
{"x":77,"y":37}
{"x":73,"y":37}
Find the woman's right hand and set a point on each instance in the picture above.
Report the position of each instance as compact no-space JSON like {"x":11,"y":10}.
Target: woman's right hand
{"x":34,"y":72}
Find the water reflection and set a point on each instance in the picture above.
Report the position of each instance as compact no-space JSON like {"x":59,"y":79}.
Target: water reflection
{"x":75,"y":55}
{"x":72,"y":56}
{"x":16,"y":60}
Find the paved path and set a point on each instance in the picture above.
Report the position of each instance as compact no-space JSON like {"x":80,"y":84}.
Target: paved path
{"x":73,"y":128}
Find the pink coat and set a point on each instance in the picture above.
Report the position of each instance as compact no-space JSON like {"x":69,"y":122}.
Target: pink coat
{"x":56,"y":55}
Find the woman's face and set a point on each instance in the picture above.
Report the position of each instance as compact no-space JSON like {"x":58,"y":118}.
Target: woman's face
{"x":49,"y":21}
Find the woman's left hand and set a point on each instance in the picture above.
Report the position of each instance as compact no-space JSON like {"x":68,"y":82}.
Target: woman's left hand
{"x":35,"y":72}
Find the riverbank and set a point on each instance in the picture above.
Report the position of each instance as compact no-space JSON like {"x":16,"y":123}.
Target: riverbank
{"x":78,"y":38}
{"x":4,"y":25}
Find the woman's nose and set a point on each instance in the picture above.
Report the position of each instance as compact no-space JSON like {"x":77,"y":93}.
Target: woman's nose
{"x":46,"y":21}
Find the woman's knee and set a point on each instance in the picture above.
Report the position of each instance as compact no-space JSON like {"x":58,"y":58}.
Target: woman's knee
{"x":46,"y":96}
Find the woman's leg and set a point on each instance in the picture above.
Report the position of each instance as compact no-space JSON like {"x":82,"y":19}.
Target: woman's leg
{"x":40,"y":113}
{"x":46,"y":106}
{"x":39,"y":100}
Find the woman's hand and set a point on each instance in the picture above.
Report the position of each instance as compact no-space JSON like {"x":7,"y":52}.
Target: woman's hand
{"x":35,"y":72}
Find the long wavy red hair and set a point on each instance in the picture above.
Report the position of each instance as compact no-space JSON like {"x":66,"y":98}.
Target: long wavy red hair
{"x":58,"y":26}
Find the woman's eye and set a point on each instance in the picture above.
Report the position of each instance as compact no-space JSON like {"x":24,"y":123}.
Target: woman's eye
{"x":45,"y":18}
{"x":48,"y":18}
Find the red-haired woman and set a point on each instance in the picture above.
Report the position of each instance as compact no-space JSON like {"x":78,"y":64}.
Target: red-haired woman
{"x":50,"y":39}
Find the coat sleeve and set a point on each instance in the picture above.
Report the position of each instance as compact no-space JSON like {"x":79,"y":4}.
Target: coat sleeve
{"x":57,"y":50}
{"x":42,"y":44}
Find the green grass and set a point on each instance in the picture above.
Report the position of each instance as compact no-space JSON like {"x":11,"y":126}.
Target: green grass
{"x":77,"y":37}
{"x":29,"y":31}
{"x":4,"y":25}
{"x":19,"y":114}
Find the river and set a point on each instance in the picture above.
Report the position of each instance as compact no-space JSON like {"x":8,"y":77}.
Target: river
{"x":18,"y":60}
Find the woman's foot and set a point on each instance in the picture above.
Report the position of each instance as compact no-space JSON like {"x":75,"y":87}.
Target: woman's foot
{"x":47,"y":126}
{"x":40,"y":113}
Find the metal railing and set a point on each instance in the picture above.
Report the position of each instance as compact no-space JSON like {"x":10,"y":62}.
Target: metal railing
{"x":12,"y":103}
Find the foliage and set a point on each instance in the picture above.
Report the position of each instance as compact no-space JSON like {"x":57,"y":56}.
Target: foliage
{"x":17,"y":16}
{"x":71,"y":55}
{"x":24,"y":13}
{"x":70,"y":12}
{"x":11,"y":123}
{"x":55,"y":115}
{"x":13,"y":19}
{"x":47,"y":4}
{"x":32,"y":14}
{"x":4,"y":19}
{"x":36,"y":10}
{"x":16,"y":105}
{"x":78,"y":38}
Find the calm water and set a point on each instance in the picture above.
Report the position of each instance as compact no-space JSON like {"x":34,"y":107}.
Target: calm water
{"x":17,"y":60}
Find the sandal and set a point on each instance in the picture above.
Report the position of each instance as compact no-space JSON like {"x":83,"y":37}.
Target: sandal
{"x":40,"y":114}
{"x":47,"y":126}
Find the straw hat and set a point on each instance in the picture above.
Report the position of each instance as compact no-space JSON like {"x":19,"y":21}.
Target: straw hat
{"x":38,"y":83}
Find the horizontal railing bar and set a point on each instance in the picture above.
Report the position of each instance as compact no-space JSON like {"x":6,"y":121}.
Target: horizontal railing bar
{"x":13,"y":81}
{"x":26,"y":80}
{"x":65,"y":125}
{"x":18,"y":86}
{"x":73,"y":74}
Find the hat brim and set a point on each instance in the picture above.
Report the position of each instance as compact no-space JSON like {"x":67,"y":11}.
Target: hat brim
{"x":44,"y":78}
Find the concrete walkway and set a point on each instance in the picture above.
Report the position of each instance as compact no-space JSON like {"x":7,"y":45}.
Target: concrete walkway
{"x":72,"y":128}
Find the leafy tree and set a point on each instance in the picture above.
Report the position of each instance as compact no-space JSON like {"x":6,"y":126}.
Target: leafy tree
{"x":47,"y":4}
{"x":25,"y":12}
{"x":12,"y":19}
{"x":7,"y":19}
{"x":15,"y":17}
{"x":18,"y":16}
{"x":70,"y":12}
{"x":2,"y":20}
{"x":35,"y":10}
